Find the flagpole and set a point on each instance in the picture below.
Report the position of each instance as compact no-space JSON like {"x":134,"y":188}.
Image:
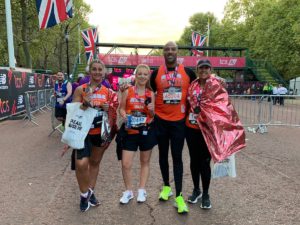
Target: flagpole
{"x":10,"y":40}
{"x":208,"y":34}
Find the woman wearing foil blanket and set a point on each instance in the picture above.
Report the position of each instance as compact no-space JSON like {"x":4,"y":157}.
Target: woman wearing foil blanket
{"x":211,"y":122}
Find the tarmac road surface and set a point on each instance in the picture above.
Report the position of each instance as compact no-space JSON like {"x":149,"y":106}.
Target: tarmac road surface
{"x":38,"y":187}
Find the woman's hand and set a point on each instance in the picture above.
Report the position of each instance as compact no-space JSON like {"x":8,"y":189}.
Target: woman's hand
{"x":65,"y":149}
{"x":124,"y":87}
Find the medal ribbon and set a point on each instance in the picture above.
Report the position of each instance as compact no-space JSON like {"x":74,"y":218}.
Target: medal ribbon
{"x":171,"y":79}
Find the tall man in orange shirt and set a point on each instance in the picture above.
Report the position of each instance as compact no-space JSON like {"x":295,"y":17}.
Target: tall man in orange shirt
{"x":170,"y":82}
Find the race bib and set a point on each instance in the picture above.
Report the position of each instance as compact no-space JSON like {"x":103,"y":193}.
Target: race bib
{"x":59,"y":100}
{"x":172,"y":95}
{"x":192,"y":118}
{"x":138,"y":121}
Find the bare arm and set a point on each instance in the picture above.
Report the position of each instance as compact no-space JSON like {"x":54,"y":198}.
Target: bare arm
{"x":151,"y":105}
{"x":123,"y":104}
{"x":77,"y":97}
{"x":69,"y":91}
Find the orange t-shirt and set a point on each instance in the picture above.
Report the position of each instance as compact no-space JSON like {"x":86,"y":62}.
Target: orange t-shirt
{"x":97,"y":99}
{"x":136,"y":102}
{"x":170,"y":103}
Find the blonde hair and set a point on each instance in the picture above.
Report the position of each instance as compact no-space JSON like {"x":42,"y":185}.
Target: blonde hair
{"x":97,"y":61}
{"x":144,"y":66}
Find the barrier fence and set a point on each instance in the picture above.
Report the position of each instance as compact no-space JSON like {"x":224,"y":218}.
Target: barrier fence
{"x":256,"y":112}
{"x":37,"y":101}
{"x":14,"y":85}
{"x":55,"y":124}
{"x":262,"y":111}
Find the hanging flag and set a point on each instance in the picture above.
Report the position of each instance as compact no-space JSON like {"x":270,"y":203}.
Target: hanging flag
{"x":69,"y":8}
{"x":52,"y":12}
{"x":90,"y":37}
{"x":198,"y":40}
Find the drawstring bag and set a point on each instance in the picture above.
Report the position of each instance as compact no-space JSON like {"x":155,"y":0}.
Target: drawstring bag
{"x":224,"y":168}
{"x":78,"y":124}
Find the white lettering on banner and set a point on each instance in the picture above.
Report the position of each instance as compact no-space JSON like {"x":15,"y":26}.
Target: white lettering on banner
{"x":223,"y":61}
{"x":75,"y":124}
{"x":2,"y":78}
{"x":20,"y":102}
{"x":122,"y":60}
{"x":113,"y":59}
{"x":232,"y":62}
{"x":180,"y":60}
{"x":31,"y":82}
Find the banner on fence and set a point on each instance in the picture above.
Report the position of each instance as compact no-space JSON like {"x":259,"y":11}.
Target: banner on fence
{"x":14,"y":84}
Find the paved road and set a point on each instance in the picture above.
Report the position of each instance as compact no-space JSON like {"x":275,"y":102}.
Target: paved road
{"x":38,"y":187}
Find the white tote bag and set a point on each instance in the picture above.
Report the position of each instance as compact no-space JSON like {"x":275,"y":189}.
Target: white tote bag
{"x":78,"y":124}
{"x":225,"y":168}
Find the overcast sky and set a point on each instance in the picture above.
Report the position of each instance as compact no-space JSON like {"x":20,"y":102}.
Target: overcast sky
{"x":147,"y":22}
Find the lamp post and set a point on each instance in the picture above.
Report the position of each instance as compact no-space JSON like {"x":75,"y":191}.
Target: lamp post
{"x":67,"y":48}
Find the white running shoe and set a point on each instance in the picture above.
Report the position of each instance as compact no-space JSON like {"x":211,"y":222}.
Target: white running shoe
{"x":142,"y":195}
{"x":127,"y":196}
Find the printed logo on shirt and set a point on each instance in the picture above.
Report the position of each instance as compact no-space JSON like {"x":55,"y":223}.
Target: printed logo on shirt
{"x":98,"y":96}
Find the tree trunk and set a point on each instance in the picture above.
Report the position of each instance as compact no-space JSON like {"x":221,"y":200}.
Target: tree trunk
{"x":25,"y":43}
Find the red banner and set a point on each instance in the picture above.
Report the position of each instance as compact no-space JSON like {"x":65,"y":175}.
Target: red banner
{"x":190,"y":61}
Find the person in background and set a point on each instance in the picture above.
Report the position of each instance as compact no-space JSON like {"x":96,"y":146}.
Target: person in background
{"x":275,"y":92}
{"x":281,"y":91}
{"x":91,"y":94}
{"x":137,"y":109}
{"x":76,"y":84}
{"x":62,"y":93}
{"x":171,"y":82}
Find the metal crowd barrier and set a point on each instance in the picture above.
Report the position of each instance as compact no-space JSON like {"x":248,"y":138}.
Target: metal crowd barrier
{"x":55,"y":124}
{"x":36,"y":101}
{"x":262,"y":111}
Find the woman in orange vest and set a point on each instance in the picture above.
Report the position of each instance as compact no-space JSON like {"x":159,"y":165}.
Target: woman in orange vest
{"x":95,"y":95}
{"x":137,"y":109}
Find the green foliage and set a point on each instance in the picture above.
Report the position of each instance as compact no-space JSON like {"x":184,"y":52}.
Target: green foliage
{"x":269,"y":28}
{"x":43,"y":49}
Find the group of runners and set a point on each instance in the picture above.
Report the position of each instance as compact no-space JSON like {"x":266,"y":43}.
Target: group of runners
{"x":159,"y":109}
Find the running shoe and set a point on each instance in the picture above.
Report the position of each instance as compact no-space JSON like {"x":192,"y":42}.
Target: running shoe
{"x":180,"y":205}
{"x":93,"y":200}
{"x":195,"y":196}
{"x":165,"y":193}
{"x":205,"y":204}
{"x":127,"y":196}
{"x":142,"y":195}
{"x":85,"y":202}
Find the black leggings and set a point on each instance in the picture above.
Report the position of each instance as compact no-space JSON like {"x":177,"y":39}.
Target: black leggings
{"x":200,"y":158}
{"x":171,"y":132}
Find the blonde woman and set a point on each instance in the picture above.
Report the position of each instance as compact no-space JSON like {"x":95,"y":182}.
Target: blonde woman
{"x":137,"y":109}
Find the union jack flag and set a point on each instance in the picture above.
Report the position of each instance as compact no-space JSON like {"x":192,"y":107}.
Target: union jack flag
{"x":52,"y":12}
{"x":90,"y":37}
{"x":198,"y":40}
